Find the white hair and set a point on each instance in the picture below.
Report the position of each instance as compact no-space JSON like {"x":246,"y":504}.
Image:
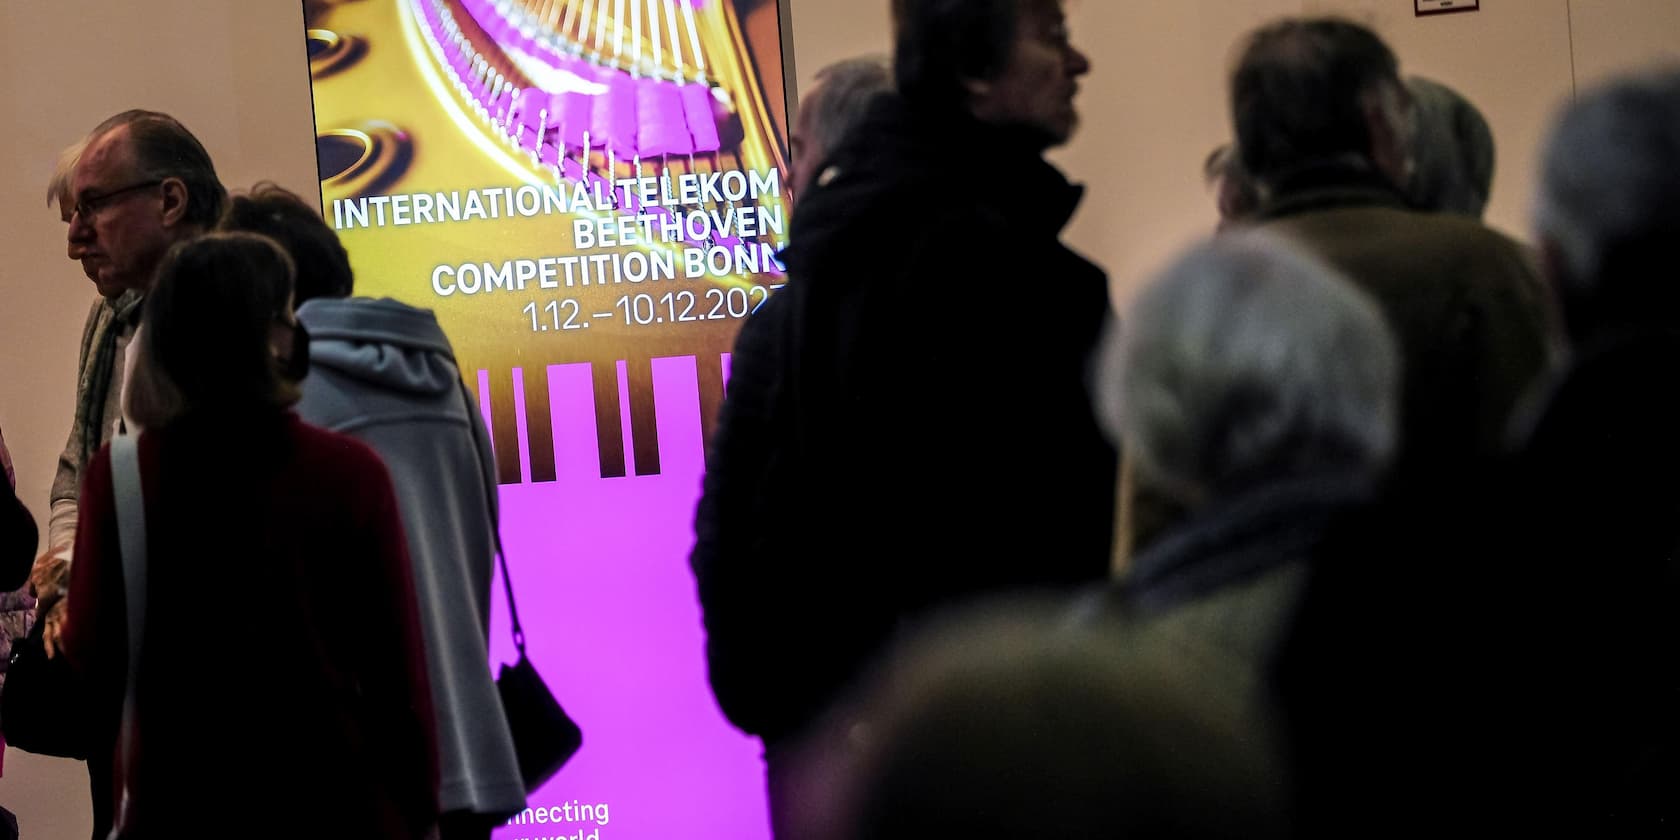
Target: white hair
{"x":1609,"y":181}
{"x":1452,"y":150}
{"x":841,"y":98}
{"x":1246,"y":361}
{"x":64,"y":172}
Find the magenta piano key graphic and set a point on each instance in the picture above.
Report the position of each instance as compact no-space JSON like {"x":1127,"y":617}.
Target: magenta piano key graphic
{"x":613,"y":626}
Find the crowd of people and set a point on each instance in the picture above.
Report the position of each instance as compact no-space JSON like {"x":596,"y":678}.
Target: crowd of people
{"x":1393,"y":546}
{"x":332,"y":590}
{"x":1360,"y":518}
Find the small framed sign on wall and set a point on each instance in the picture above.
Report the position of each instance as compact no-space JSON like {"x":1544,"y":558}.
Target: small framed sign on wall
{"x":1442,"y":7}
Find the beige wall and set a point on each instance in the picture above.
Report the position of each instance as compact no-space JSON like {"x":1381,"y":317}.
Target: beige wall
{"x":1153,"y":104}
{"x":234,"y":71}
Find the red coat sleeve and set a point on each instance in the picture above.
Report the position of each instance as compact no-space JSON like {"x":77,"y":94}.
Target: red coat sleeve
{"x":95,"y":631}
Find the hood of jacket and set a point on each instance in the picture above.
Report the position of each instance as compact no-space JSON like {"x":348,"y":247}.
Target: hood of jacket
{"x":380,"y":342}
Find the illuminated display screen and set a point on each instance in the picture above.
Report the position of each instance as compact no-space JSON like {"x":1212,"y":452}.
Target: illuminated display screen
{"x":589,"y":194}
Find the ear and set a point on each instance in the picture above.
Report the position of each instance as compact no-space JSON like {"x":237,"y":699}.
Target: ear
{"x":175,"y":201}
{"x":1390,"y":148}
{"x":979,"y":96}
{"x":1551,"y":260}
{"x":1554,"y":274}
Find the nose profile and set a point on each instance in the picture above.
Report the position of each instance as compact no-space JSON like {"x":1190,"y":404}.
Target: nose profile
{"x":77,"y":236}
{"x":79,"y":230}
{"x":1078,"y":63}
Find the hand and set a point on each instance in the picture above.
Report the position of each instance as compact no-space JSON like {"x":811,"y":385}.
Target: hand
{"x":50,"y":576}
{"x":53,"y":632}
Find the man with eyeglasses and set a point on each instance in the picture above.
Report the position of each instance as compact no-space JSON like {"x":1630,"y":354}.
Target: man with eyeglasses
{"x":137,"y":185}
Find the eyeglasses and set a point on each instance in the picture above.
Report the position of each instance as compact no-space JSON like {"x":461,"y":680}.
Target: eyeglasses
{"x":90,"y":205}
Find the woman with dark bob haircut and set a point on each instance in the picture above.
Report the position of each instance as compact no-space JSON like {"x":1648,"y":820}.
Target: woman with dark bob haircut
{"x":280,"y":686}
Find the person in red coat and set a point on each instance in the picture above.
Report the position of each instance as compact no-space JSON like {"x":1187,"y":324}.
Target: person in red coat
{"x":281,"y":688}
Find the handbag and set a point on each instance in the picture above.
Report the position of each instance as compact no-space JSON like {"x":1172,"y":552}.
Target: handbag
{"x":544,"y":736}
{"x":43,"y":707}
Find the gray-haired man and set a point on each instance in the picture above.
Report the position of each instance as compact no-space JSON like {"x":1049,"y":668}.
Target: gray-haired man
{"x":141,"y":183}
{"x":837,"y":101}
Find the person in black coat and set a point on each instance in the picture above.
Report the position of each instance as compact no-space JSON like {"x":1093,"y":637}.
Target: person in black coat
{"x":930,"y":436}
{"x":1599,"y":455}
{"x":1522,"y":626}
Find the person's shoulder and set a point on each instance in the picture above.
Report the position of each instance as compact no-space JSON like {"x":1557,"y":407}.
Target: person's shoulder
{"x":1489,"y":261}
{"x":866,"y":214}
{"x":362,"y":314}
{"x":335,"y":453}
{"x":1464,"y":247}
{"x":1463,"y":231}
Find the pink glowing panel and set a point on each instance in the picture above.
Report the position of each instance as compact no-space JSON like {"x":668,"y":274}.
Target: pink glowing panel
{"x":532,"y":112}
{"x":664,"y":129}
{"x":614,"y":119}
{"x":481,"y":12}
{"x":702,"y":121}
{"x":571,"y":393}
{"x":613,"y":626}
{"x":575,"y":110}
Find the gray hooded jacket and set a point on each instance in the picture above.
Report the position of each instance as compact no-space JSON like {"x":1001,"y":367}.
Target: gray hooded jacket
{"x":384,"y":373}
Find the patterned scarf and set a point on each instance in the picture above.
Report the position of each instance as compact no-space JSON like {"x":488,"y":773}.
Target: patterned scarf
{"x":101,"y":347}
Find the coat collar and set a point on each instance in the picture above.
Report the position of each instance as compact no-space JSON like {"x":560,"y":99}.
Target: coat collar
{"x":1237,"y":538}
{"x":945,"y":157}
{"x":1329,"y":185}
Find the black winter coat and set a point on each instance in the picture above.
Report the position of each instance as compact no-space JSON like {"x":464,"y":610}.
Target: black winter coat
{"x":908,"y":423}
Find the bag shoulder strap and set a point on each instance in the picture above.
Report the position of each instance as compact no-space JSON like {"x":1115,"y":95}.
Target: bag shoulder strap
{"x":131,"y":531}
{"x":481,"y":445}
{"x":130,"y":502}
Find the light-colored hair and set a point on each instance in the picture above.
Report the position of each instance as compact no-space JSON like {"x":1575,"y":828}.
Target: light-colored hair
{"x":1452,"y":148}
{"x":61,"y":184}
{"x":205,"y":342}
{"x":842,"y":96}
{"x":1609,"y":198}
{"x":1247,"y":361}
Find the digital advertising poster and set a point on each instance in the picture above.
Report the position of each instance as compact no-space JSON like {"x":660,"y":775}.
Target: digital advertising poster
{"x":590,"y":195}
